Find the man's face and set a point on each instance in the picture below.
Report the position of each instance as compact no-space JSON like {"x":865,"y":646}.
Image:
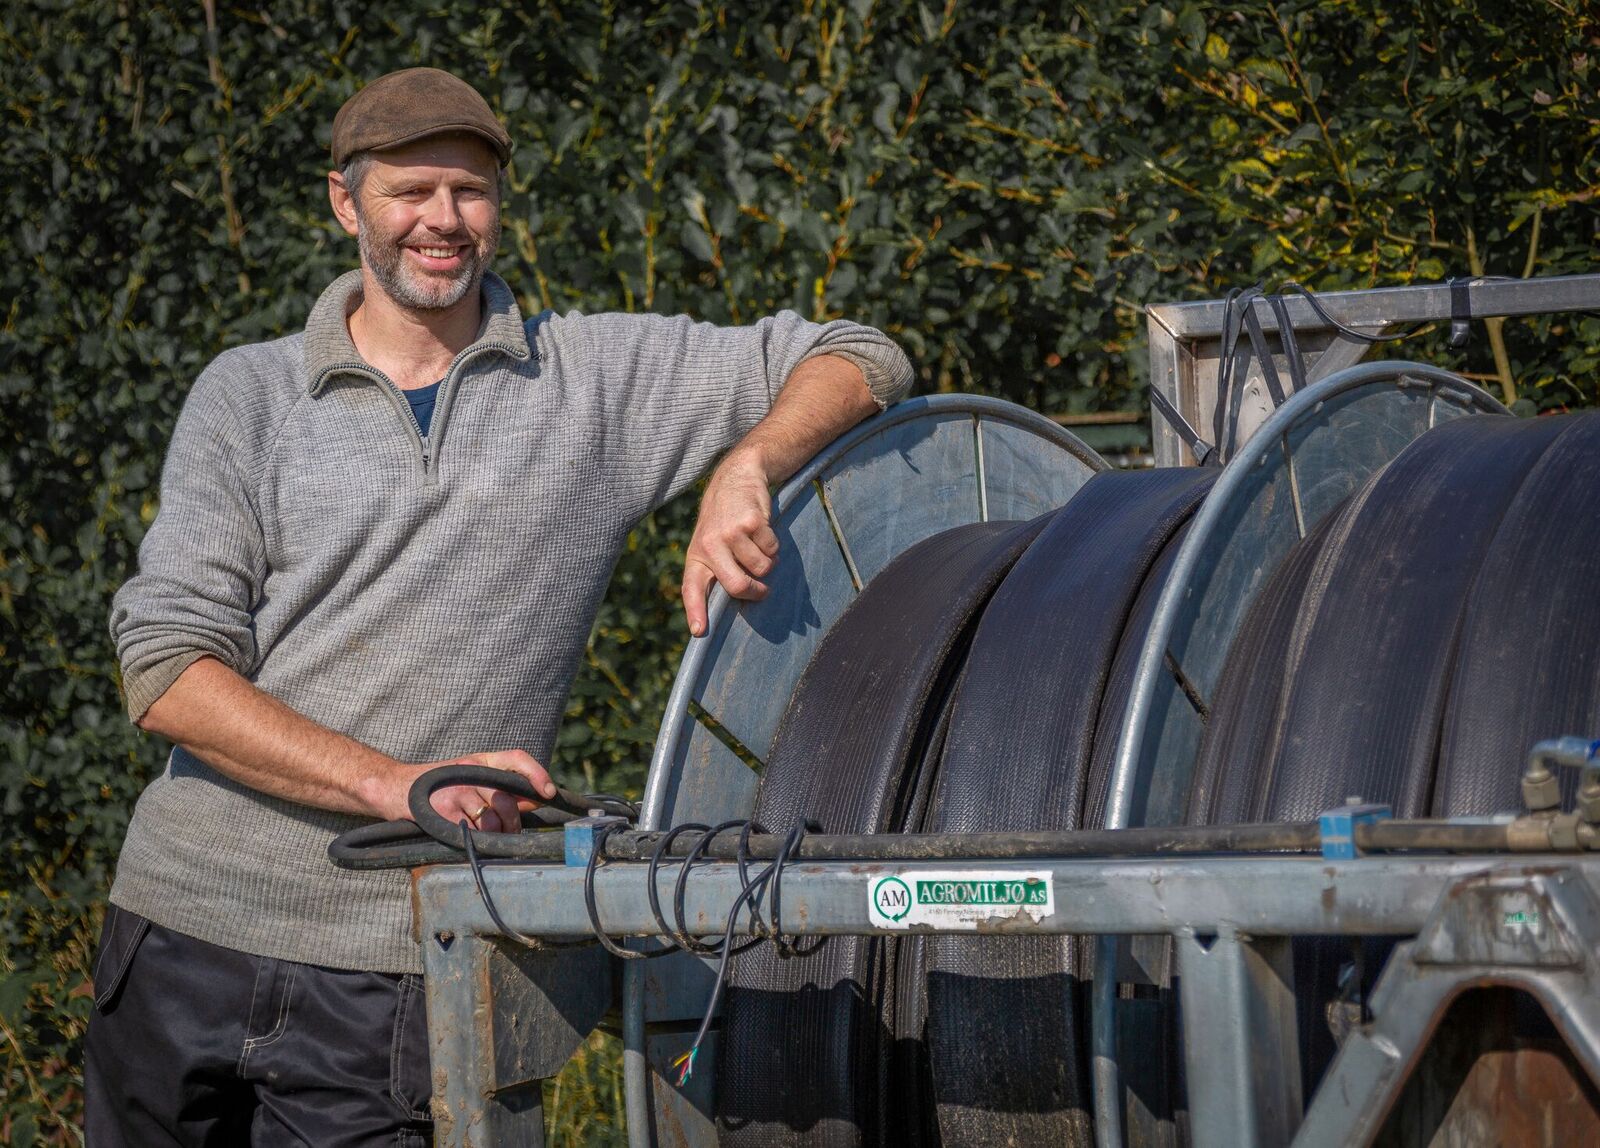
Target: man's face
{"x":428,"y":219}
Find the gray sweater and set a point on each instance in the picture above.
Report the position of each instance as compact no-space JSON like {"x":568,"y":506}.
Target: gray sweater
{"x":428,"y":596}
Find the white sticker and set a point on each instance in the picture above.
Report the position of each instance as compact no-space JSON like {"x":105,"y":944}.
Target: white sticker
{"x":957,"y":899}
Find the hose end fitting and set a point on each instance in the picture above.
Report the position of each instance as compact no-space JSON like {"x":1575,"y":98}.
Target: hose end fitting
{"x":1541,"y":790}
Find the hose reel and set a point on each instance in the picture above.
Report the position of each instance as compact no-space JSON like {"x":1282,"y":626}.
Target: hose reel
{"x":924,"y":466}
{"x":1319,"y":474}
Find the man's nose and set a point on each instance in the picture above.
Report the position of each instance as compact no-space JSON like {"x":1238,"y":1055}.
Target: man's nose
{"x":442,"y":214}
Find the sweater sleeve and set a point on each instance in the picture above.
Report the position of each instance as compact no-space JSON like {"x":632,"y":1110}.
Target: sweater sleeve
{"x":679,"y":393}
{"x":202,"y":563}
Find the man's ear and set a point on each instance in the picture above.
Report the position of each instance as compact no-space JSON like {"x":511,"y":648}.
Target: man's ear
{"x":344,"y":204}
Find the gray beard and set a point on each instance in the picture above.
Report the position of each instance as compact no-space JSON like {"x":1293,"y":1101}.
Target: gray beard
{"x":414,"y":292}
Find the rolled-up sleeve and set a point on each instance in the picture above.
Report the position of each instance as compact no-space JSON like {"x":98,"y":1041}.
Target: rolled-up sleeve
{"x":202,"y":563}
{"x":679,"y":393}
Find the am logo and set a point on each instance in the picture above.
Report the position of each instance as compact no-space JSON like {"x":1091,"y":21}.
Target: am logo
{"x":892,"y":898}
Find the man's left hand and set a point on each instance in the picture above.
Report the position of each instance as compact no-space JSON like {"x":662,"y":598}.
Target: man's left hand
{"x":733,"y":542}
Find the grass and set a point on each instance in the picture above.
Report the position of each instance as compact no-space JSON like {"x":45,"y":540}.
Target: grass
{"x":583,"y":1105}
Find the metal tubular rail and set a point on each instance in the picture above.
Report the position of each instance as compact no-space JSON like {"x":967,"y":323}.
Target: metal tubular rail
{"x":1185,"y":338}
{"x":1267,"y":896}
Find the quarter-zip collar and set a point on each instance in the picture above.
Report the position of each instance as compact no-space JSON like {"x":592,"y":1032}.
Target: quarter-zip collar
{"x":330,"y":351}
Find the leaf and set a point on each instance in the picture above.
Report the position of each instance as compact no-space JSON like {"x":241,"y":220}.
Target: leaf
{"x":842,"y":282}
{"x":24,"y":1131}
{"x":883,"y":113}
{"x":1305,"y":133}
{"x":697,"y":241}
{"x":1193,"y":25}
{"x":15,"y":991}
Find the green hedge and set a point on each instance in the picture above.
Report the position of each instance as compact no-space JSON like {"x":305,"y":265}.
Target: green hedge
{"x":1000,"y":185}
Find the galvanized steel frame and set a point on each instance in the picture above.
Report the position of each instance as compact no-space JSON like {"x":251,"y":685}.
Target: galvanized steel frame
{"x":1477,"y":920}
{"x":1185,"y":348}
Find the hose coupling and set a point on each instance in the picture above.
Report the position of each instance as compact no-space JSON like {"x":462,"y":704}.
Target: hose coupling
{"x":1541,"y":788}
{"x":1551,"y":832}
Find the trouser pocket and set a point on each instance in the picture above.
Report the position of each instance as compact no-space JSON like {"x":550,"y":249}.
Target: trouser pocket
{"x":119,"y":941}
{"x":410,"y":1083}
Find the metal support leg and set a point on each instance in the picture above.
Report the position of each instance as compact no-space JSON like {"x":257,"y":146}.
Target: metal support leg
{"x":468,"y":1111}
{"x":501,"y":1019}
{"x":1241,"y":1047}
{"x":1531,"y":932}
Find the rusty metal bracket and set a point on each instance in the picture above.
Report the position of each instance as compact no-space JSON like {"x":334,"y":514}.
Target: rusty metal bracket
{"x":1534,"y":931}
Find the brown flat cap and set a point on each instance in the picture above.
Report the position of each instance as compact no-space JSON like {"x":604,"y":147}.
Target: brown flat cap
{"x":408,"y":105}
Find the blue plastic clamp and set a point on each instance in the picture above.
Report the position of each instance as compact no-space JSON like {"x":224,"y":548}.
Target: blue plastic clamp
{"x":1339,"y":828}
{"x":579,"y":836}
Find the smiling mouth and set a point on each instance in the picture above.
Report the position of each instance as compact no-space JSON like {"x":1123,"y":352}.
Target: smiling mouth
{"x":438,"y":252}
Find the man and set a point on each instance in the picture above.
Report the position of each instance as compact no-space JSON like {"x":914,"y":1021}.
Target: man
{"x":381,"y":546}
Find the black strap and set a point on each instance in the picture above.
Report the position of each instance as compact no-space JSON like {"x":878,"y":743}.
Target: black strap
{"x":1238,"y":318}
{"x":1269,"y":371}
{"x":1230,"y":336}
{"x":1243,"y":313}
{"x":1204,"y":452}
{"x":1460,"y":312}
{"x":1263,"y":353}
{"x":1291,"y":345}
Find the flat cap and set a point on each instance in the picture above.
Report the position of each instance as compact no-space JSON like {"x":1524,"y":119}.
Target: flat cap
{"x":410,"y":104}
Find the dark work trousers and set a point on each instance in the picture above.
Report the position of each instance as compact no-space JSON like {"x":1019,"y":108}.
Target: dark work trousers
{"x":194,"y":1044}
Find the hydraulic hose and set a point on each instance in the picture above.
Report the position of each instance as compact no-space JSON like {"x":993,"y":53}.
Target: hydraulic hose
{"x":1391,"y":656}
{"x":369,"y":846}
{"x":1006,"y":1017}
{"x":851,"y":753}
{"x":431,"y":839}
{"x":564,"y":806}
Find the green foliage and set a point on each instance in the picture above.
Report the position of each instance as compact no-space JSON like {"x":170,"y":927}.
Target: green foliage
{"x":586,"y":1098}
{"x":1001,"y":186}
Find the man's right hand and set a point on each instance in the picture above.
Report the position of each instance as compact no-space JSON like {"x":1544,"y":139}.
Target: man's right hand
{"x":492,"y":810}
{"x":258,"y":741}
